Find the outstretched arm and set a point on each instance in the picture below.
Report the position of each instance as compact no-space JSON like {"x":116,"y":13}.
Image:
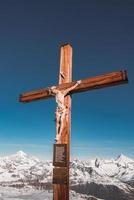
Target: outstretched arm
{"x":54,"y":91}
{"x":71,"y":88}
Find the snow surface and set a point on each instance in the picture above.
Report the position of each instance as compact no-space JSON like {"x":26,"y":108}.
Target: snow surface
{"x":32,"y":194}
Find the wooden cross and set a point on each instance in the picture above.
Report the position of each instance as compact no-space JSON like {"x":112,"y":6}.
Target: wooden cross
{"x":62,"y":93}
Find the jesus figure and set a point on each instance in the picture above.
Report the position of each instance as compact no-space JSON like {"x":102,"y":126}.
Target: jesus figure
{"x":61,"y":109}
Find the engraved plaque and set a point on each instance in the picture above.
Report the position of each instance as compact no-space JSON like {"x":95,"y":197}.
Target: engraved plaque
{"x":60,"y":155}
{"x":60,"y":175}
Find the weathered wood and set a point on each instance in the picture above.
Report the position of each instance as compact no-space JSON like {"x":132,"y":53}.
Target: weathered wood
{"x":60,"y":177}
{"x":60,"y":191}
{"x":110,"y":79}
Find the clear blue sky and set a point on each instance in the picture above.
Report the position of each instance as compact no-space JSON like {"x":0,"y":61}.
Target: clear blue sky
{"x":102,"y":36}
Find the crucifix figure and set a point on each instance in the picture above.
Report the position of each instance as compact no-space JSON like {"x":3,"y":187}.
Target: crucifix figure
{"x":62,"y":93}
{"x":61,"y":110}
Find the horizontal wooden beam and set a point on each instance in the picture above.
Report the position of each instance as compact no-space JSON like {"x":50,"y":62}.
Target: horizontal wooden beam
{"x":111,"y":79}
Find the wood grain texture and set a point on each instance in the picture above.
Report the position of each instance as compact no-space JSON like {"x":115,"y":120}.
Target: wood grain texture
{"x":106,"y":80}
{"x":61,"y":191}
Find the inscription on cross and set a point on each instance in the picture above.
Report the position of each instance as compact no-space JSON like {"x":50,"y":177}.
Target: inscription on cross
{"x":62,"y":93}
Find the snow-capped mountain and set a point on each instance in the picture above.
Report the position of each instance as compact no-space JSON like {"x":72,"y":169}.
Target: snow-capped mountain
{"x":119,"y":169}
{"x":22,"y":168}
{"x":106,"y":179}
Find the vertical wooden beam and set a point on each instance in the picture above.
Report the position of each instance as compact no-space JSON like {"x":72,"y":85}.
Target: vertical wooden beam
{"x":61,"y":192}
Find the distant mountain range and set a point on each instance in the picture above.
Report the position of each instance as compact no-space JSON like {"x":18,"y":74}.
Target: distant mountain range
{"x":111,"y":179}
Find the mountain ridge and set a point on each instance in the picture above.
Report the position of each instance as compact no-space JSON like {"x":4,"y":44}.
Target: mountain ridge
{"x":87,"y":177}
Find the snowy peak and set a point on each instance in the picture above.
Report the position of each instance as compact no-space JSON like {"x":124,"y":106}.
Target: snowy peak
{"x":23,"y":157}
{"x":21,"y":166}
{"x":21,"y":153}
{"x":122,"y":159}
